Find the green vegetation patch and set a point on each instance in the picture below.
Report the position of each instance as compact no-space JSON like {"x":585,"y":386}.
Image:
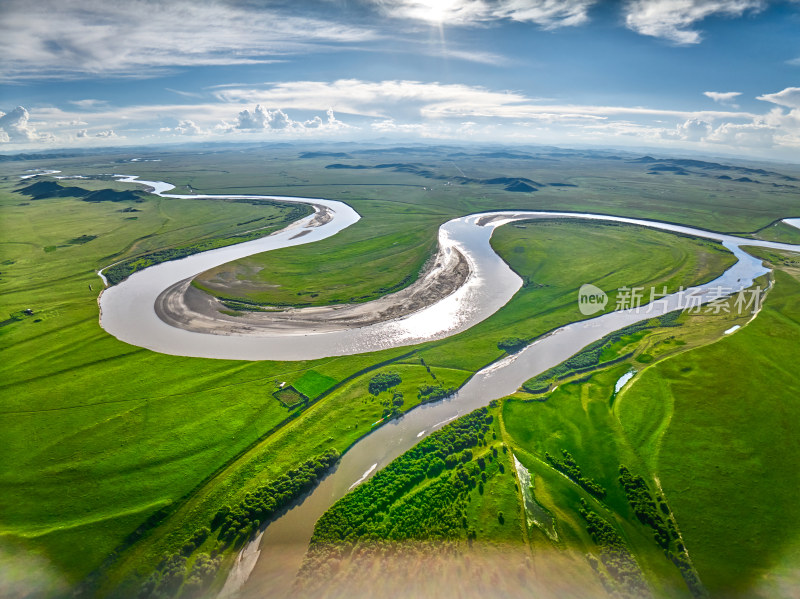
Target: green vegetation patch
{"x":571,"y":470}
{"x":512,"y":344}
{"x":82,"y":239}
{"x":421,"y":496}
{"x":619,"y":564}
{"x":290,"y":397}
{"x":313,"y":384}
{"x":604,"y":351}
{"x":231,"y":526}
{"x":384,"y":381}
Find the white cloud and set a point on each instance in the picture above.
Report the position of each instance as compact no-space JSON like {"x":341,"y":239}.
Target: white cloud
{"x":470,"y":55}
{"x":106,"y":133}
{"x":15,"y":127}
{"x":422,"y":130}
{"x":304,"y":109}
{"x":184,"y":93}
{"x":141,"y":37}
{"x":188,"y":127}
{"x":89,"y":103}
{"x":673,"y":19}
{"x":367,"y":98}
{"x":185,"y":127}
{"x":390,"y":126}
{"x":546,"y":13}
{"x":333,"y":123}
{"x":744,"y":135}
{"x":314,"y":123}
{"x":407,"y":100}
{"x":723,"y":97}
{"x":689,"y":130}
{"x":789,"y":97}
{"x":262,"y":119}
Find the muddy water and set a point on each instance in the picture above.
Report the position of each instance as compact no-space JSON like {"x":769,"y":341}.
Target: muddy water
{"x":127,"y":310}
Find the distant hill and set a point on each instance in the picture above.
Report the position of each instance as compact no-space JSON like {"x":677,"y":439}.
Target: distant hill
{"x":42,"y":190}
{"x":112,"y":195}
{"x":51,"y":189}
{"x":681,"y":166}
{"x":13,"y":157}
{"x":324,"y":155}
{"x":520,"y":186}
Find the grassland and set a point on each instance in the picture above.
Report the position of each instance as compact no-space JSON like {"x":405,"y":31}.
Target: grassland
{"x":99,"y":435}
{"x":718,"y":426}
{"x":359,"y":264}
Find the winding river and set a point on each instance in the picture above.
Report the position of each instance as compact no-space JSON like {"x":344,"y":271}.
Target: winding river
{"x":271,"y":561}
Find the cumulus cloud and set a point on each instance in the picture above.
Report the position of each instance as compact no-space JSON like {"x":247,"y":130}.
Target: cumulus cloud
{"x":690,"y":130}
{"x":673,"y":19}
{"x":82,"y":133}
{"x":264,"y":119}
{"x":185,"y":127}
{"x":754,"y":134}
{"x":15,"y":127}
{"x":333,"y":122}
{"x":106,"y":133}
{"x":723,"y":97}
{"x":546,"y":13}
{"x":188,"y":127}
{"x":789,"y":97}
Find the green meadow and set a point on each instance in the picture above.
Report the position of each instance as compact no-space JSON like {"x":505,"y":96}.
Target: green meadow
{"x":718,"y":425}
{"x":102,"y":439}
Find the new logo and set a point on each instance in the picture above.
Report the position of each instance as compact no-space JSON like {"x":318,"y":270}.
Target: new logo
{"x":591,"y":299}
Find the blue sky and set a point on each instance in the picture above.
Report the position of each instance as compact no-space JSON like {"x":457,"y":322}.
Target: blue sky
{"x":717,"y":76}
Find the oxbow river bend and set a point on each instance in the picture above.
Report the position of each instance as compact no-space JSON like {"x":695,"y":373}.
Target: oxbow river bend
{"x":272,"y":559}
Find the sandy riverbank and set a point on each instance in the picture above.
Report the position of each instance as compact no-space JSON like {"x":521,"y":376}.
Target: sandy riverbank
{"x":187,"y":307}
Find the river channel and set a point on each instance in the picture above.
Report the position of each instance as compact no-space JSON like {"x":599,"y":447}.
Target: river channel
{"x":269,"y":563}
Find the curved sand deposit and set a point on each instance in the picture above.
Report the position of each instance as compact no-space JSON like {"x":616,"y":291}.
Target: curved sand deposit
{"x":185,"y":306}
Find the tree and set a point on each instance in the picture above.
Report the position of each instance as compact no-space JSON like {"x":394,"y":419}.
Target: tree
{"x":435,"y":467}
